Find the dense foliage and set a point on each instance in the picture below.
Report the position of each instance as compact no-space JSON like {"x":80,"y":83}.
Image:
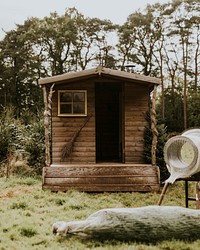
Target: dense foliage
{"x":162,"y":138}
{"x":21,"y":143}
{"x":163,"y":41}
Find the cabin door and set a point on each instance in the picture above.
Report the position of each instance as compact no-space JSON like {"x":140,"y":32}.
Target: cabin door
{"x":108,"y":101}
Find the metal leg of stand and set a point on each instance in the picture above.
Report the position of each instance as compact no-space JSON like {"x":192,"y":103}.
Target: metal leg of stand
{"x":198,"y":195}
{"x":163,"y":193}
{"x":186,"y":194}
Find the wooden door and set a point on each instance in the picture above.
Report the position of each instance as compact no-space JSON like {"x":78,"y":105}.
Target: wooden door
{"x":108,"y":111}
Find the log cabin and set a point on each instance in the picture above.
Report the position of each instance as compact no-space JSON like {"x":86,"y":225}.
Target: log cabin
{"x":94,"y":131}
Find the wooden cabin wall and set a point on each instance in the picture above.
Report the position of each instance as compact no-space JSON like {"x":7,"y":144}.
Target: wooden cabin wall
{"x":136,"y":106}
{"x":65,"y":127}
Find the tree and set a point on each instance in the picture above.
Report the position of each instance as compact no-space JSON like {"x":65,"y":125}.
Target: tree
{"x":181,"y":28}
{"x":173,"y":110}
{"x":92,"y":43}
{"x":161,"y":41}
{"x":137,"y":39}
{"x":19,"y":76}
{"x":193,"y":114}
{"x":57,"y":34}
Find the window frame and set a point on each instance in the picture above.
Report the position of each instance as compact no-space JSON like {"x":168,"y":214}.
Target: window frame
{"x":72,"y":102}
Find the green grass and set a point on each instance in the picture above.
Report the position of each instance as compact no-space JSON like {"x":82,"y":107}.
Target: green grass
{"x":27,"y":214}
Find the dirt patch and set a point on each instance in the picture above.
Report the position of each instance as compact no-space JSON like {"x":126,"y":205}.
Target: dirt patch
{"x":13,"y":192}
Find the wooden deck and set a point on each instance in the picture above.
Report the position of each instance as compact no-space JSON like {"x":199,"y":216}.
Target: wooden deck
{"x":102,"y":177}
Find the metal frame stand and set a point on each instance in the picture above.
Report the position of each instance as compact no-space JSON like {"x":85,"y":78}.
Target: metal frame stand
{"x":196,"y":198}
{"x":187,"y":198}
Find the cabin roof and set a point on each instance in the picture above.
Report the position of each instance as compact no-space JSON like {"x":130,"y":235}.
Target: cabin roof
{"x":99,"y":71}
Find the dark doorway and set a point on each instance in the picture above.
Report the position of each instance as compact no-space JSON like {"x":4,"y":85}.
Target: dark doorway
{"x":108,"y":122}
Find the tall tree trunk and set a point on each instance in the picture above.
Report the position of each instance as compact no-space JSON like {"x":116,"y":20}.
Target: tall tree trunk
{"x":185,"y":65}
{"x":196,"y":63}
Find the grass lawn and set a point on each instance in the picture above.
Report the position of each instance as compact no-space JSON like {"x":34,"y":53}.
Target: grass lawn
{"x":27,"y":214}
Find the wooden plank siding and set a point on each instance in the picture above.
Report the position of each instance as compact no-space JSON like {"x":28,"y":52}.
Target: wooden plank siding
{"x":107,"y":155}
{"x":136,"y":106}
{"x":65,"y":127}
{"x":102,"y":177}
{"x":80,"y":170}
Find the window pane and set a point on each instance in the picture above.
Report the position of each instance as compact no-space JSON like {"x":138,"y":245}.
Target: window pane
{"x":65,"y":97}
{"x":79,"y":108}
{"x":72,"y":102}
{"x":79,"y":97}
{"x":66,"y":108}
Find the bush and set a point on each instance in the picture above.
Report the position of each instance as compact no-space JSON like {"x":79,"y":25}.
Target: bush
{"x":34,"y":146}
{"x":162,"y":138}
{"x":11,"y":134}
{"x":21,"y":144}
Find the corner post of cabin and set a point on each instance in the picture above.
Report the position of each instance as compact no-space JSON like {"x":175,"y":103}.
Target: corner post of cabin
{"x":153,"y":127}
{"x":47,"y":116}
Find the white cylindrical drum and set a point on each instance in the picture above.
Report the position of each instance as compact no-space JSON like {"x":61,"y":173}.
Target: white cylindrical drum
{"x":182,"y":155}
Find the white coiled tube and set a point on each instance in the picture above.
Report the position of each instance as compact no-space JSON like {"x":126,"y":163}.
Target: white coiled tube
{"x":182,"y":155}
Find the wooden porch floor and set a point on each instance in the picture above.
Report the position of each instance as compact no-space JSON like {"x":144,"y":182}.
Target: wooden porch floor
{"x":103,"y":177}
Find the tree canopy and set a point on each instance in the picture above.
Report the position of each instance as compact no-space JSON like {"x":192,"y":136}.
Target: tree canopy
{"x":161,"y":40}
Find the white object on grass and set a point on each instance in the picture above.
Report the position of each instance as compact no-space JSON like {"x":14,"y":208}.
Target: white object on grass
{"x":182,"y":155}
{"x":143,"y":224}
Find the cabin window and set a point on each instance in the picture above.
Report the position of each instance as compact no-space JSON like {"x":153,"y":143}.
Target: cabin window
{"x":72,"y":102}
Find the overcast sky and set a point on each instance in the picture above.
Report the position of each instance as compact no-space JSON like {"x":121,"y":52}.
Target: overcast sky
{"x":17,"y":11}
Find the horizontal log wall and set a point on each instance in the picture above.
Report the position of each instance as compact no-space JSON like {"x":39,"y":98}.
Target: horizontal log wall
{"x":65,"y":127}
{"x":80,"y":170}
{"x":101,"y":177}
{"x":136,"y":106}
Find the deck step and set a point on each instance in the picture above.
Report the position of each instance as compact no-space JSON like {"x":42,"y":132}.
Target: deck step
{"x":102,"y":178}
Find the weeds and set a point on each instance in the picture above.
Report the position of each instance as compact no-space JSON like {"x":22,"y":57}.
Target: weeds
{"x":27,"y":217}
{"x":28,"y":232}
{"x":19,"y":205}
{"x":21,"y":144}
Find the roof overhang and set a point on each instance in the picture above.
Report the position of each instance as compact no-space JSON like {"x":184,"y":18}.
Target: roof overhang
{"x":100,"y":71}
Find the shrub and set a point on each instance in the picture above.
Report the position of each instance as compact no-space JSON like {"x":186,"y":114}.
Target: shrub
{"x":12,"y":153}
{"x":21,"y":144}
{"x":34,"y":145}
{"x":162,"y":138}
{"x":11,"y":134}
